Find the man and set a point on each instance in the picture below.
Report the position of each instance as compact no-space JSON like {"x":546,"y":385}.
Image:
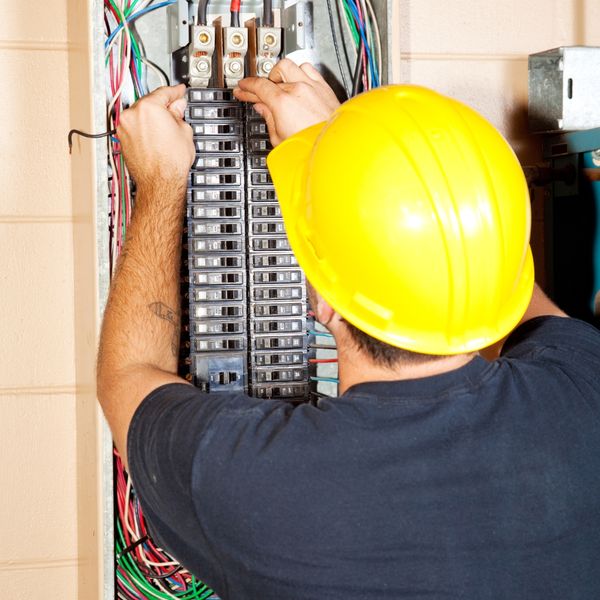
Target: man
{"x":435,"y":473}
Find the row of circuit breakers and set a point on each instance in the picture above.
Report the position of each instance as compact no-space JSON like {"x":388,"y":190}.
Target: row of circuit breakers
{"x":248,"y":314}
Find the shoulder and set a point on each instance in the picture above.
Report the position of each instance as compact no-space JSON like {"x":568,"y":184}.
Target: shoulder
{"x":569,"y":344}
{"x":553,"y":332}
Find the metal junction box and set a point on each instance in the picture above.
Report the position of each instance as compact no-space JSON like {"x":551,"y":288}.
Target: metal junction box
{"x":564,"y":89}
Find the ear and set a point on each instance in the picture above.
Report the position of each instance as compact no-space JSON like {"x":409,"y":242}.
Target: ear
{"x":323,"y":311}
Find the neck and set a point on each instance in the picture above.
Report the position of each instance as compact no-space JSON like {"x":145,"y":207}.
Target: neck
{"x":355,"y":367}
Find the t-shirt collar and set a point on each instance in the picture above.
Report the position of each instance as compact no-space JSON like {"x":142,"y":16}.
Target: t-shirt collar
{"x":463,"y":377}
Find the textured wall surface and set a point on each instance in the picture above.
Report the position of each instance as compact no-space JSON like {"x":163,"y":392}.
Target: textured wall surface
{"x":48,"y":470}
{"x":477,"y":52}
{"x":49,"y":533}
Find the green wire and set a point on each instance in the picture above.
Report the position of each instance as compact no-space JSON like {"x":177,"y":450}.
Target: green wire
{"x":198,"y":591}
{"x":350,"y":19}
{"x":129,"y":10}
{"x":134,"y":44}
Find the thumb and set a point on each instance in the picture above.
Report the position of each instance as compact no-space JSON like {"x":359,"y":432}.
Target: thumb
{"x":168,"y":94}
{"x":178,"y":108}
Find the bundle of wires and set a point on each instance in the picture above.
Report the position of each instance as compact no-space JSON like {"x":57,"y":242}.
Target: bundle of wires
{"x":143,"y":570}
{"x":362,"y":28}
{"x":127,"y":69}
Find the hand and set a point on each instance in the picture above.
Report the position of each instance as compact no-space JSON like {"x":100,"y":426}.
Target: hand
{"x":157,"y":143}
{"x":292,"y":99}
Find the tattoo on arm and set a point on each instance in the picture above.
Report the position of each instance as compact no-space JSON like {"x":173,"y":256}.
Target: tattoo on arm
{"x":162,"y":311}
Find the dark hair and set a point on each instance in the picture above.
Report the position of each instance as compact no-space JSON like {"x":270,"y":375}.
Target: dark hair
{"x":384,"y":354}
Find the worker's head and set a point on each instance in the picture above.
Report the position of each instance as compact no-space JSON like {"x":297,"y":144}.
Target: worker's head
{"x":410,"y":216}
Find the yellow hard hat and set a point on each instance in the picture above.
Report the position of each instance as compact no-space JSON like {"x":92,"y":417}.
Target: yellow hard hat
{"x":410,"y":215}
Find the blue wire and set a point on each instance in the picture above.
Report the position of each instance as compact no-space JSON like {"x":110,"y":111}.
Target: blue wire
{"x":321,"y":333}
{"x":135,"y":16}
{"x":326,"y":379}
{"x":374,"y":69}
{"x":361,"y":29}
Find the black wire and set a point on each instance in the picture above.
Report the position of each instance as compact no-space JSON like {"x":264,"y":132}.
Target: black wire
{"x":235,"y":18}
{"x":337,"y":48}
{"x":151,"y":575}
{"x":132,"y":547}
{"x":267,"y":13}
{"x":340,"y":23}
{"x":202,"y":12}
{"x":357,"y":79}
{"x":93,"y":136}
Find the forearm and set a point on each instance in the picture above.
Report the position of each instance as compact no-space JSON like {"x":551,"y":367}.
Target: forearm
{"x":140,"y":331}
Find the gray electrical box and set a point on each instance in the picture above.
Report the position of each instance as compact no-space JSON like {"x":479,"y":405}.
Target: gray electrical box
{"x":564,"y":89}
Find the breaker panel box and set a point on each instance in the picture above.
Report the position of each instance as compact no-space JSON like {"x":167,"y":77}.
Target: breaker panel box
{"x":247,"y":325}
{"x":247,"y":296}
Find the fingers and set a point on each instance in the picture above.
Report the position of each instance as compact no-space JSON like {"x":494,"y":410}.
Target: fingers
{"x":257,"y":89}
{"x":168,"y":94}
{"x":267,"y":115}
{"x":311,"y":72}
{"x":177,"y":108}
{"x":286,"y":71}
{"x":245,"y":96}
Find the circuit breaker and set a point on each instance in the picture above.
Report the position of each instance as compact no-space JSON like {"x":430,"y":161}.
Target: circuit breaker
{"x":247,"y":295}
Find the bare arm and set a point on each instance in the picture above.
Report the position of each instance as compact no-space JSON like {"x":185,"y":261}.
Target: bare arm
{"x":139,"y":340}
{"x":292,"y":99}
{"x":539,"y":306}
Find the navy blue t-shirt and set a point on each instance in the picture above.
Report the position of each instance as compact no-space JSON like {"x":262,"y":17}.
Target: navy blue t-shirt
{"x":480,"y":483}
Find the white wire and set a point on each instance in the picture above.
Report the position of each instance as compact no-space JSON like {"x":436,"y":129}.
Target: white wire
{"x":365,"y":17}
{"x":136,"y":535}
{"x":348,"y":31}
{"x":156,"y":70}
{"x":125,"y":33}
{"x":141,"y":6}
{"x":373,"y":20}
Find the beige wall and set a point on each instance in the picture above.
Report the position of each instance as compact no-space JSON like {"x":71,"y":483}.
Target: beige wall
{"x":477,"y":51}
{"x":49,"y":515}
{"x":48,"y":533}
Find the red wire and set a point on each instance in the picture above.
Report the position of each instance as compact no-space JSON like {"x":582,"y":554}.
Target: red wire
{"x":322,"y":360}
{"x":365,"y":63}
{"x":235,"y":5}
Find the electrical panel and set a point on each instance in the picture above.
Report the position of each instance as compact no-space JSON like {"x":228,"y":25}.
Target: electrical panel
{"x":247,"y":295}
{"x":247,"y":325}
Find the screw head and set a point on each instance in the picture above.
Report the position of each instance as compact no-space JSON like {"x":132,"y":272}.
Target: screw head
{"x":235,"y":66}
{"x":202,"y":66}
{"x":267,"y":66}
{"x":269,"y":40}
{"x":237,"y":39}
{"x":204,"y":37}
